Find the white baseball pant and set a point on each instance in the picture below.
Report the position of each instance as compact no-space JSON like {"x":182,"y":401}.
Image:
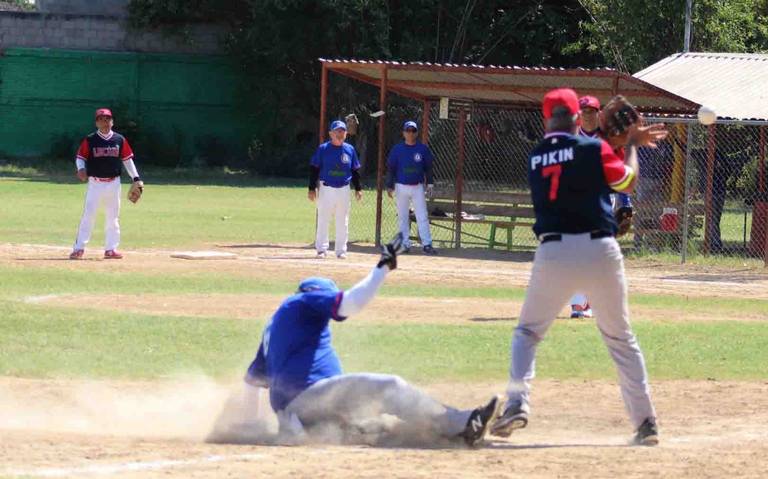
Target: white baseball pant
{"x":359,"y":398}
{"x":106,"y":193}
{"x":404,"y":195}
{"x":330,"y":200}
{"x":601,"y":276}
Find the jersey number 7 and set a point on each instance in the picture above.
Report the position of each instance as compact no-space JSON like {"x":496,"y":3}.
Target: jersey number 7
{"x":552,"y":172}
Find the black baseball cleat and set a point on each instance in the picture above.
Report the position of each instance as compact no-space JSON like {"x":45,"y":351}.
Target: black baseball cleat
{"x":428,"y":249}
{"x":647,"y":434}
{"x":513,"y":418}
{"x":480,"y":421}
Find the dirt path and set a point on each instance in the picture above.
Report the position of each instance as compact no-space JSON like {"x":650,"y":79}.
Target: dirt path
{"x":579,"y":429}
{"x":477,"y":268}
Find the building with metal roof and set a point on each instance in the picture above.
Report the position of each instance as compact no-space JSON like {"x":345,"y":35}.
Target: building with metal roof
{"x":733,"y":84}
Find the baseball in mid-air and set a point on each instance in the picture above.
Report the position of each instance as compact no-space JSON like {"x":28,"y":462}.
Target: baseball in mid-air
{"x":707,"y":115}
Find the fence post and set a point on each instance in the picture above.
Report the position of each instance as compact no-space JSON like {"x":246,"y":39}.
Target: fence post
{"x":425,"y":122}
{"x":380,"y":168}
{"x":323,"y":103}
{"x":686,"y":192}
{"x":708,"y":228}
{"x":459,"y":177}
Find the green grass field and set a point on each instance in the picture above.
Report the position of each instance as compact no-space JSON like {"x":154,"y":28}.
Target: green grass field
{"x":39,"y":340}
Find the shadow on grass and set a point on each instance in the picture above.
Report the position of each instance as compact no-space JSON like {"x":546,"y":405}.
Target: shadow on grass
{"x":492,"y":320}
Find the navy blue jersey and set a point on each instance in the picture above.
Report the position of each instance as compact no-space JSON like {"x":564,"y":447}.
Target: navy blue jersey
{"x":571,"y":179}
{"x":104,"y":154}
{"x":296,"y":349}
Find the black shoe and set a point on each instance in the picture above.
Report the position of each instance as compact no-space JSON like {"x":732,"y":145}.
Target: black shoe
{"x":428,"y":249}
{"x":647,"y":434}
{"x":480,"y":421}
{"x":513,"y":418}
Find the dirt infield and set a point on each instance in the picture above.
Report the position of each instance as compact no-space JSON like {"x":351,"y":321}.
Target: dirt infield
{"x":68,"y":428}
{"x":578,"y":429}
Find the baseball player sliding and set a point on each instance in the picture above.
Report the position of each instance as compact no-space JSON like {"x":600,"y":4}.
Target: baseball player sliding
{"x":307,"y":388}
{"x":408,"y":166}
{"x":571,"y":179}
{"x":100,"y":159}
{"x":335,"y":165}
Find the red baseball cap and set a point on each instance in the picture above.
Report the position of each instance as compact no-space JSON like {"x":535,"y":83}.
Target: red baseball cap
{"x":589,"y":102}
{"x":560,"y":97}
{"x":103,"y":112}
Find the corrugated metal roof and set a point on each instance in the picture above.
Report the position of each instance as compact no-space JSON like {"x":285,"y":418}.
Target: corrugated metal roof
{"x":515,"y":85}
{"x":733,"y":84}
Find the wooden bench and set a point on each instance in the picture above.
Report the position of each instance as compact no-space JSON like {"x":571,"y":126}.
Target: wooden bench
{"x":501,"y":211}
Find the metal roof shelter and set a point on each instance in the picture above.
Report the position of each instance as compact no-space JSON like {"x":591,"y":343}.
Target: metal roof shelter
{"x":733,"y":84}
{"x":508,"y":86}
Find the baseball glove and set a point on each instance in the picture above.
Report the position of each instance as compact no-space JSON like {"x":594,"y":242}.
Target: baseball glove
{"x":616,"y":118}
{"x":624,"y":219}
{"x":390,"y":251}
{"x":134,"y":194}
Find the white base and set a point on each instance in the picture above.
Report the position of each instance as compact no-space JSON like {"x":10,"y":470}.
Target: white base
{"x":203,"y":255}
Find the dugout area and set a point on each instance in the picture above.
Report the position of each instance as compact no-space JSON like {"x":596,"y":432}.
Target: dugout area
{"x":481,"y":121}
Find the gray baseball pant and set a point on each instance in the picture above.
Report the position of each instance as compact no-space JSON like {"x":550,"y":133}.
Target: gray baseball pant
{"x":353,"y":398}
{"x":595,"y":267}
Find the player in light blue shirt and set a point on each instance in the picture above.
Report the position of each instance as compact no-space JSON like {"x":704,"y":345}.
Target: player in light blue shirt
{"x":308,"y":390}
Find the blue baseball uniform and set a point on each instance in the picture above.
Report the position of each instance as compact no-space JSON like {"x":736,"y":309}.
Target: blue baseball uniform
{"x":336,"y":167}
{"x":298,"y":364}
{"x":296,"y":349}
{"x":408,"y":167}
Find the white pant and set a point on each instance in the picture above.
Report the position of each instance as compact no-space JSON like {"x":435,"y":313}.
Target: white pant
{"x":357,"y":398}
{"x":601,"y":277}
{"x":404,"y":194}
{"x":330,"y":200}
{"x":100,"y":193}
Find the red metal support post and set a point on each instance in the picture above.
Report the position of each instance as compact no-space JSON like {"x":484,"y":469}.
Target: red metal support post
{"x":459,"y":178}
{"x":323,"y":104}
{"x":761,"y":176}
{"x":425,"y":122}
{"x":711,"y":148}
{"x":382,"y":138}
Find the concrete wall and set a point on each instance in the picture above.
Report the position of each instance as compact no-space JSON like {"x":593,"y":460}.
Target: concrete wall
{"x":84,"y":7}
{"x":100,"y":32}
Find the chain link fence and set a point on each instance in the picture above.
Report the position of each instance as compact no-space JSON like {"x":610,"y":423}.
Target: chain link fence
{"x":703,"y":191}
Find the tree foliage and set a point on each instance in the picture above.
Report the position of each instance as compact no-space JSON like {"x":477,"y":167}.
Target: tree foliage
{"x":633,"y":34}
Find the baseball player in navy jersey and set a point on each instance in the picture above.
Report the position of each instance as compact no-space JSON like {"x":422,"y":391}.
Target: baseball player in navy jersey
{"x":333,"y":167}
{"x":590,"y":127}
{"x":571,"y":179}
{"x":100,"y":160}
{"x":307,"y":388}
{"x":409,"y":166}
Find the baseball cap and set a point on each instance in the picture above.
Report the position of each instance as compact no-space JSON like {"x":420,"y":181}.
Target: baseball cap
{"x":316,"y":283}
{"x":560,"y":97}
{"x":335,"y":125}
{"x":589,"y":101}
{"x":103,"y":112}
{"x":410,"y":124}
